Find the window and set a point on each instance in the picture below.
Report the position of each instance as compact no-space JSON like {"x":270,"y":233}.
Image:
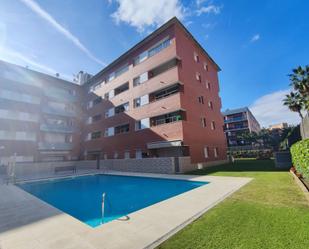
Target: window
{"x":121,"y":89}
{"x":142,"y":124}
{"x":122,"y":129}
{"x":196,"y":57}
{"x":140,"y":79}
{"x":216,"y":152}
{"x":122,"y":108}
{"x":210,"y":105}
{"x":138,"y":154}
{"x":106,"y":96}
{"x":143,"y":100}
{"x":96,"y":118}
{"x":205,"y":66}
{"x":206,"y":152}
{"x":88,"y":137}
{"x":95,"y":135}
{"x":201,"y":100}
{"x":118,"y":72}
{"x":159,"y":47}
{"x":213,"y":125}
{"x":137,"y":102}
{"x":208,"y":85}
{"x":109,"y":132}
{"x":110,"y":112}
{"x":165,"y":92}
{"x":97,"y":101}
{"x":166,"y":118}
{"x":127,"y":154}
{"x":203,"y":122}
{"x":140,"y":58}
{"x":198,"y":77}
{"x":89,"y":120}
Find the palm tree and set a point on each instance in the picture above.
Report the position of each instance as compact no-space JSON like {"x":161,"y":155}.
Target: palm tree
{"x":300,"y":82}
{"x":295,"y":102}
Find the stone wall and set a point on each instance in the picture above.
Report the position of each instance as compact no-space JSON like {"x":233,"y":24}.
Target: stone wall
{"x":44,"y":169}
{"x":162,"y":165}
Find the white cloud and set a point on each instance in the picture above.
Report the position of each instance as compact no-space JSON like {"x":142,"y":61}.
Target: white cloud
{"x":210,"y":9}
{"x":142,"y":14}
{"x":49,"y":19}
{"x":269,"y":109}
{"x":255,"y":38}
{"x":200,"y":2}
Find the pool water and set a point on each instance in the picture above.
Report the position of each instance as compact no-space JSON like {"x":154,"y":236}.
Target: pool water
{"x":81,"y":197}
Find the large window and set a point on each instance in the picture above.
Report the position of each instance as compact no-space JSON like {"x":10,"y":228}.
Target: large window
{"x":122,"y":108}
{"x":121,"y":88}
{"x":122,"y":129}
{"x":166,"y":118}
{"x":95,"y":135}
{"x":152,"y":51}
{"x":142,"y":124}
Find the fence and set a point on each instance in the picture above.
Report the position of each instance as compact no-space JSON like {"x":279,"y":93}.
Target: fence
{"x":161,"y":165}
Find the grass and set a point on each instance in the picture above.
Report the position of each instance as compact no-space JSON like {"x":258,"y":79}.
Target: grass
{"x":269,"y":212}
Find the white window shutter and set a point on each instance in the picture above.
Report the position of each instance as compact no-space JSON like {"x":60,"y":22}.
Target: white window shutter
{"x":144,"y":99}
{"x":145,"y":123}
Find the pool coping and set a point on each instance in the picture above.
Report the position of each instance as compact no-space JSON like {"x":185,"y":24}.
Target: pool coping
{"x":146,"y":228}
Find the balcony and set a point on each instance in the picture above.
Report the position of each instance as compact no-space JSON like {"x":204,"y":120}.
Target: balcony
{"x":57,"y":128}
{"x":237,"y":119}
{"x":167,"y":118}
{"x":236,"y":128}
{"x":59,"y":112}
{"x":60,"y":95}
{"x":55,"y":146}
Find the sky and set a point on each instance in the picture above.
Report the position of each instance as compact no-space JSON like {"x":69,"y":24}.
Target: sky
{"x":256,"y":43}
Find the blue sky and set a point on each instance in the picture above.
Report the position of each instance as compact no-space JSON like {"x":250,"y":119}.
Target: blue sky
{"x":256,"y":43}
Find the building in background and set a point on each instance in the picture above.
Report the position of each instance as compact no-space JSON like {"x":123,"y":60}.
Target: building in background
{"x":159,"y":99}
{"x":278,"y":126}
{"x":237,"y":122}
{"x":39,"y":116}
{"x":82,"y":77}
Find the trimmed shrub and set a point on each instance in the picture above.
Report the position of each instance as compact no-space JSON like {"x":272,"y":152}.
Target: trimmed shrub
{"x":258,"y":154}
{"x":300,"y":157}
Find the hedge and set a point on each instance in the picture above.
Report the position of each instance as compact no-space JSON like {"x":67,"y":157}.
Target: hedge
{"x":300,"y":157}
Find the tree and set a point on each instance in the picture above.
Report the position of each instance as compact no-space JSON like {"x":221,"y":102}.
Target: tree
{"x":295,"y":102}
{"x":248,"y":137}
{"x":299,"y":80}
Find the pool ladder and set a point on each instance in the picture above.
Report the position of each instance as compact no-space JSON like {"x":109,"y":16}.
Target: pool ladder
{"x":102,"y":208}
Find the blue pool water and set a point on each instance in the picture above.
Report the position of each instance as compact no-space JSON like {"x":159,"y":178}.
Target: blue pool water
{"x":81,"y":197}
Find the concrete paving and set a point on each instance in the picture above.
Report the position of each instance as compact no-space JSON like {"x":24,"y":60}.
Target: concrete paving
{"x":29,"y":223}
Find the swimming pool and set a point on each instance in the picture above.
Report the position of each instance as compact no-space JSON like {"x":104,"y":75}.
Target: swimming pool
{"x":81,"y":197}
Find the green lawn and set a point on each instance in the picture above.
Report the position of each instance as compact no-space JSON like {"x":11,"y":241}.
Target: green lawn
{"x":269,"y":212}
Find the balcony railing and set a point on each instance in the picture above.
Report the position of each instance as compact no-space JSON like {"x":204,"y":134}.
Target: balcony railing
{"x":57,"y":128}
{"x":236,"y":128}
{"x":60,"y":95}
{"x":165,"y":120}
{"x":55,"y":146}
{"x":235,"y":119}
{"x":60,"y":112}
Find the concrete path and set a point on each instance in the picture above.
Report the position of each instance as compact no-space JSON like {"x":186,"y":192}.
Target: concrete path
{"x":29,"y":223}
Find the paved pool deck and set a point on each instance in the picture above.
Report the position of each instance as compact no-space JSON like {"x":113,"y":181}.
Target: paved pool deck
{"x":26,"y":222}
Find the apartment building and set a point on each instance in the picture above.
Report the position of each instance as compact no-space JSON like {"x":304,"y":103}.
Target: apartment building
{"x":160,"y":98}
{"x":238,"y":121}
{"x":39,"y":116}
